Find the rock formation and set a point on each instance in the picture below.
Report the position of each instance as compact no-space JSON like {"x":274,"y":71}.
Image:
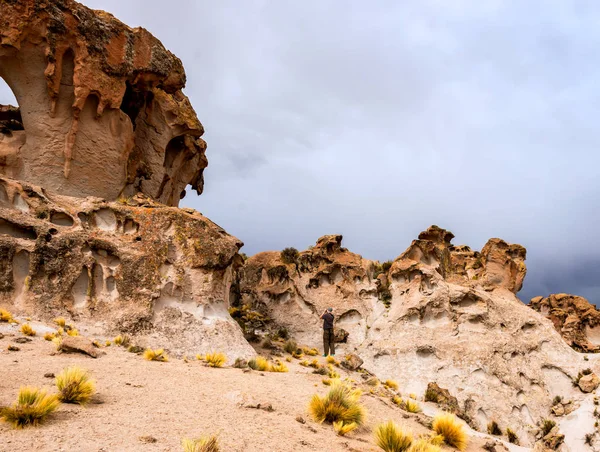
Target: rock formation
{"x":102,"y":112}
{"x":159,"y":273}
{"x":439,"y":314}
{"x":575,"y":318}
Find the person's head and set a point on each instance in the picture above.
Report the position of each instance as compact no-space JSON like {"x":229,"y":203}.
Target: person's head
{"x":329,"y":309}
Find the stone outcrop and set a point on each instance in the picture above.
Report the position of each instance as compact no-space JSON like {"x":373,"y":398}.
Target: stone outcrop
{"x":575,"y":318}
{"x":438,"y":312}
{"x":159,"y":273}
{"x":102,"y":112}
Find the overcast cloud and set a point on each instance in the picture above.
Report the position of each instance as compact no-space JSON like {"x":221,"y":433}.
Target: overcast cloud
{"x":378,"y":119}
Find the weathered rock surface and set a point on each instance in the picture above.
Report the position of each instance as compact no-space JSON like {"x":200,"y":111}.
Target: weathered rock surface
{"x":575,"y":318}
{"x":78,"y":344}
{"x":159,"y":273}
{"x":439,"y":312}
{"x":102,"y":111}
{"x":588,"y":383}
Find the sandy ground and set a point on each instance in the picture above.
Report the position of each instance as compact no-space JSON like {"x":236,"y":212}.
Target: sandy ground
{"x":174,"y":400}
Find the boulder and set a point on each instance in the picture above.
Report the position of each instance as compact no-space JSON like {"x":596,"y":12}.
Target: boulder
{"x":79,"y":344}
{"x":589,"y":383}
{"x":352,"y":362}
{"x":442,"y":397}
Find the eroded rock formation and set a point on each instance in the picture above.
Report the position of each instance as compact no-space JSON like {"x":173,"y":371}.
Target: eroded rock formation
{"x":575,"y":318}
{"x":102,"y":112}
{"x":439,"y":313}
{"x":160,"y":273}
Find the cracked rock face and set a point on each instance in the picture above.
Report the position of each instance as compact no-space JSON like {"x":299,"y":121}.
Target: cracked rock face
{"x":439,"y":313}
{"x":575,"y":318}
{"x":159,"y":273}
{"x":102,"y":112}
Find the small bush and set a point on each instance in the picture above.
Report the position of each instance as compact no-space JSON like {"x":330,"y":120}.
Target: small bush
{"x":289,"y":255}
{"x":410,"y":406}
{"x":283,"y":333}
{"x":75,"y":385}
{"x":315,"y":364}
{"x":397,"y":400}
{"x":6,"y":316}
{"x":310,"y":351}
{"x":340,"y":404}
{"x":342,"y":428}
{"x":447,"y":425}
{"x":278,"y":367}
{"x":290,"y":346}
{"x":204,"y":444}
{"x":589,"y":438}
{"x":332,"y":372}
{"x":73,"y":332}
{"x":27,"y":330}
{"x":298,"y":354}
{"x":424,"y":445}
{"x":32,"y":407}
{"x":267,"y":343}
{"x":391,"y":438}
{"x":215,"y":359}
{"x":547,"y":426}
{"x":107,"y":343}
{"x":156,"y":355}
{"x":240,"y":363}
{"x":122,"y":340}
{"x":512,"y":436}
{"x":556,"y":400}
{"x":60,"y":321}
{"x":391,"y":384}
{"x":494,"y":429}
{"x":431,"y":396}
{"x":49,"y":336}
{"x":321,"y":371}
{"x":258,"y":363}
{"x":373,"y":381}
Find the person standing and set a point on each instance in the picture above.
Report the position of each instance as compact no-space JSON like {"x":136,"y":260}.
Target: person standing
{"x":328,"y":334}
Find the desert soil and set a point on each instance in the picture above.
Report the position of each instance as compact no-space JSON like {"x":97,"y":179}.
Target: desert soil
{"x":150,"y":406}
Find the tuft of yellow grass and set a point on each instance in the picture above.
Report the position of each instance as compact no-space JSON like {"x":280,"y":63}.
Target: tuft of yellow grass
{"x":332,"y":372}
{"x":412,"y":396}
{"x":6,"y":316}
{"x":122,"y":340}
{"x":278,"y":367}
{"x":314,"y":364}
{"x":423,"y":445}
{"x":447,"y":425}
{"x":27,"y":330}
{"x":391,"y":438}
{"x":341,"y":403}
{"x":410,"y":406}
{"x":108,"y":343}
{"x":156,"y":355}
{"x":216,"y":359}
{"x":49,"y":336}
{"x":204,"y":444}
{"x":397,"y":400}
{"x":436,"y":440}
{"x":75,"y":385}
{"x":57,"y":340}
{"x":32,"y":407}
{"x":341,"y":428}
{"x":60,"y":321}
{"x":290,"y":346}
{"x":298,"y":354}
{"x":391,"y":384}
{"x":258,"y":363}
{"x":73,"y":332}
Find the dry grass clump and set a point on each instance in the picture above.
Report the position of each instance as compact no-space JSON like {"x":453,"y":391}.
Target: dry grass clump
{"x":49,"y":336}
{"x":298,"y":354}
{"x":32,"y":407}
{"x":60,"y":321}
{"x":431,"y":396}
{"x":512,"y":436}
{"x":341,"y":428}
{"x":258,"y":363}
{"x":6,"y":316}
{"x":107,"y":343}
{"x":547,"y":426}
{"x":290,"y":346}
{"x":391,"y":438}
{"x":331,"y":372}
{"x":494,"y":429}
{"x":391,"y":384}
{"x":122,"y":340}
{"x":75,"y":385}
{"x":73,"y":332}
{"x":315,"y":364}
{"x":424,"y":445}
{"x":373,"y":381}
{"x":27,"y":330}
{"x":411,"y":407}
{"x":278,"y":367}
{"x":310,"y":351}
{"x":204,"y":444}
{"x":216,"y":359}
{"x":156,"y":355}
{"x":304,"y":363}
{"x":447,"y":425}
{"x":340,"y":404}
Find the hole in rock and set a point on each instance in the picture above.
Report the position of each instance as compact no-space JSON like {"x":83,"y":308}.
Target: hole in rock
{"x":133,"y":102}
{"x":10,"y":116}
{"x":81,"y":289}
{"x":350,"y":317}
{"x":20,"y":273}
{"x":61,"y":219}
{"x":17,"y":231}
{"x":105,"y":219}
{"x":20,"y":203}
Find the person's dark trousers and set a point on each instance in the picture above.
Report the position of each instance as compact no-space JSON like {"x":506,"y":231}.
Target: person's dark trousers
{"x":328,"y":342}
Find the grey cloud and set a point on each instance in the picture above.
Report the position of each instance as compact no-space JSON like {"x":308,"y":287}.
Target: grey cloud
{"x":378,"y":119}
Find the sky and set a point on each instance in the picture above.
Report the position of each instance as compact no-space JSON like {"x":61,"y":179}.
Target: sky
{"x":377,"y":119}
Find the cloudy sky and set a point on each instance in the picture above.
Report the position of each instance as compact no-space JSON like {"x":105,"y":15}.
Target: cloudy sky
{"x":378,"y":119}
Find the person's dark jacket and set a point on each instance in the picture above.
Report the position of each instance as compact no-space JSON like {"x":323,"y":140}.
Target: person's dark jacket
{"x":327,"y":321}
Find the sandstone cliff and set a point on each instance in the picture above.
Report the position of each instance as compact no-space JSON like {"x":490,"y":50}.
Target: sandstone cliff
{"x":575,"y":318}
{"x":102,"y":112}
{"x":438,"y":313}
